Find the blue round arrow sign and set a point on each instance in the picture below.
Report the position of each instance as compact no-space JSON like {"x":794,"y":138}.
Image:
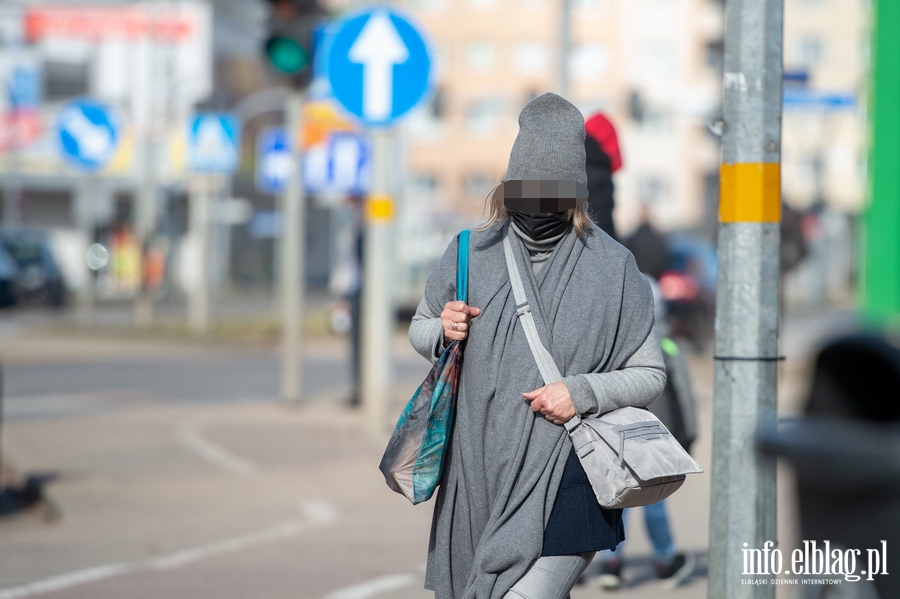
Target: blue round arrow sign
{"x":88,"y":133}
{"x":378,"y":65}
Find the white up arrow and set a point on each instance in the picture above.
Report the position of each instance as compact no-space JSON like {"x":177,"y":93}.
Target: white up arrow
{"x":378,"y":48}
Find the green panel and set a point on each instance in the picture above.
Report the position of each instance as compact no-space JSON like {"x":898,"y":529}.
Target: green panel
{"x":881,"y":271}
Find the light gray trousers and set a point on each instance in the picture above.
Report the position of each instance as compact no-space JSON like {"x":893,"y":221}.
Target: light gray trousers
{"x":551,"y":577}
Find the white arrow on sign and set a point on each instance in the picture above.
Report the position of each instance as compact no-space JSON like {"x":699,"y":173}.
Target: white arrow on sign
{"x":277,"y":167}
{"x":378,"y":48}
{"x":94,"y":141}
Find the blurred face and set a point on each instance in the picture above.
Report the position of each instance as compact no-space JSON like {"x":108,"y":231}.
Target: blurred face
{"x":542,"y":195}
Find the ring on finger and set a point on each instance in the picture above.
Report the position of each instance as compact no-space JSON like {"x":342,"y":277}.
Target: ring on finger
{"x":455,"y":326}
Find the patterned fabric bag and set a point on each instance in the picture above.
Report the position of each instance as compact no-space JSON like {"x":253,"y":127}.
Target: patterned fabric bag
{"x":413,"y":460}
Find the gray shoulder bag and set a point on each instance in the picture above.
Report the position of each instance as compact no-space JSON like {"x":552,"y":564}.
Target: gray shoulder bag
{"x":629,"y":457}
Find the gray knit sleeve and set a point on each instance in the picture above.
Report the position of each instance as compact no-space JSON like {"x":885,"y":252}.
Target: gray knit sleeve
{"x":426,"y":333}
{"x":638,"y":383}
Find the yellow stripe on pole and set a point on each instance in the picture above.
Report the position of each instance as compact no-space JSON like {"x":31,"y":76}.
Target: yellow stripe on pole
{"x":379,"y":208}
{"x":750,"y":193}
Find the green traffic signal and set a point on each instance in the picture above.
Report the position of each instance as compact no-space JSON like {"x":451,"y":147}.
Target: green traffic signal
{"x":286,"y":54}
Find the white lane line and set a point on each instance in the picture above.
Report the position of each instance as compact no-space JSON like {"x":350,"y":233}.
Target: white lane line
{"x":374,"y":587}
{"x":64,"y":581}
{"x":189,"y":556}
{"x":177,"y":559}
{"x":319,"y":512}
{"x":189,"y":434}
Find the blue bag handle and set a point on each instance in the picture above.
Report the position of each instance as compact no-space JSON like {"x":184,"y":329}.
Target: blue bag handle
{"x":462,"y":267}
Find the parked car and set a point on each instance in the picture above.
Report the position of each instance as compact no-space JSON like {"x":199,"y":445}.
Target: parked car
{"x":39,"y":280}
{"x":9,"y":273}
{"x":689,"y":287}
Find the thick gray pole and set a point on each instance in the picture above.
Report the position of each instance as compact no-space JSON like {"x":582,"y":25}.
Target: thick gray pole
{"x":377,"y":293}
{"x":293,"y":261}
{"x":743,"y":481}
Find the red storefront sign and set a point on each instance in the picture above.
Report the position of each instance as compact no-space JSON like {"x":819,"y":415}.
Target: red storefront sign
{"x":95,"y":23}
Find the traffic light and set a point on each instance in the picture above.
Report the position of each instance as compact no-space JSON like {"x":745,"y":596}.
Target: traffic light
{"x":289,"y":43}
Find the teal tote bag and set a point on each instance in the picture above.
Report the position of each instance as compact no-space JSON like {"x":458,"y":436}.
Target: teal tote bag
{"x":414,"y":458}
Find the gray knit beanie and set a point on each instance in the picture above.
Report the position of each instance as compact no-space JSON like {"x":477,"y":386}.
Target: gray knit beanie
{"x":550,"y":144}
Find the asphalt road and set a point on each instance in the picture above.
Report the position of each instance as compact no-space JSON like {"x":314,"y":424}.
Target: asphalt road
{"x":66,"y":388}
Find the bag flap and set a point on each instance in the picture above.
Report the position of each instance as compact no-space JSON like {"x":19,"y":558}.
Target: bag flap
{"x":648,"y":449}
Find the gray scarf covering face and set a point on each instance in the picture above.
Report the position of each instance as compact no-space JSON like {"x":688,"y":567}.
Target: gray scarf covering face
{"x":593,"y":310}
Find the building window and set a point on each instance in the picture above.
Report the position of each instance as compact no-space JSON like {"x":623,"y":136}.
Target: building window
{"x":811,"y":50}
{"x":532,"y":3}
{"x":715,"y":55}
{"x":531,"y":57}
{"x":592,"y":7}
{"x":430,"y":5}
{"x":423,"y":188}
{"x":482,"y":4}
{"x":652,"y":189}
{"x":483,"y":116}
{"x":63,"y":80}
{"x":588,"y":62}
{"x":656,"y":122}
{"x":480,"y":56}
{"x":477,"y":184}
{"x":657,"y":61}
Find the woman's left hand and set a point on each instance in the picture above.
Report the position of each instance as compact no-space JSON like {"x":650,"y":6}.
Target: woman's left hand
{"x":553,"y":402}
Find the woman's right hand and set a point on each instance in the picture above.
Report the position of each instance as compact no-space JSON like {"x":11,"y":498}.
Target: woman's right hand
{"x":456,"y":318}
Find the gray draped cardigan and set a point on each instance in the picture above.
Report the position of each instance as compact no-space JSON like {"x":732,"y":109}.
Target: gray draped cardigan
{"x":593,"y":310}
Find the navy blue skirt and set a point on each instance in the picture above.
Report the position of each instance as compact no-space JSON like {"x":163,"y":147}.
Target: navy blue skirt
{"x":577,"y":522}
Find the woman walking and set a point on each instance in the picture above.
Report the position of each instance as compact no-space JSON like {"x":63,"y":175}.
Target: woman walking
{"x":515,"y":515}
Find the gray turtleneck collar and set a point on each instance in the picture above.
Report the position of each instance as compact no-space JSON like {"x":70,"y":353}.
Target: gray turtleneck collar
{"x":538,"y":250}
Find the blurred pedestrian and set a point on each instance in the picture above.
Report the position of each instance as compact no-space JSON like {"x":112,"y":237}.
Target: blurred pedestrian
{"x":515,"y":515}
{"x":648,"y":246}
{"x":603,"y":158}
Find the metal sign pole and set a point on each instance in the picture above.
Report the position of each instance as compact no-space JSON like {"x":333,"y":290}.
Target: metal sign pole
{"x":293,"y":260}
{"x":565,"y":43}
{"x":88,"y":188}
{"x":743,"y":511}
{"x":198,"y":300}
{"x":377,"y":291}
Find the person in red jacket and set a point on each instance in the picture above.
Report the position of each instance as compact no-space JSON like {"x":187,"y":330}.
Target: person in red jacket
{"x":602,"y":159}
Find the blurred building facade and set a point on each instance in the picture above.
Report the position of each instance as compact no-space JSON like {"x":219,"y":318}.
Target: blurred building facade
{"x":825,"y":141}
{"x":654,"y":66}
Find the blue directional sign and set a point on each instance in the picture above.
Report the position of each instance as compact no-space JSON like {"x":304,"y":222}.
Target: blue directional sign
{"x":343,"y":165}
{"x":378,"y":65}
{"x":88,"y":133}
{"x":24,"y":87}
{"x":273,"y":160}
{"x":214,"y":143}
{"x":817,"y":100}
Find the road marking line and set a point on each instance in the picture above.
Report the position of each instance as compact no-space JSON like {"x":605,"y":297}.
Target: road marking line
{"x":64,"y":581}
{"x":190,"y":435}
{"x":177,"y":559}
{"x":376,"y":586}
{"x":189,"y":556}
{"x":319,"y":512}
